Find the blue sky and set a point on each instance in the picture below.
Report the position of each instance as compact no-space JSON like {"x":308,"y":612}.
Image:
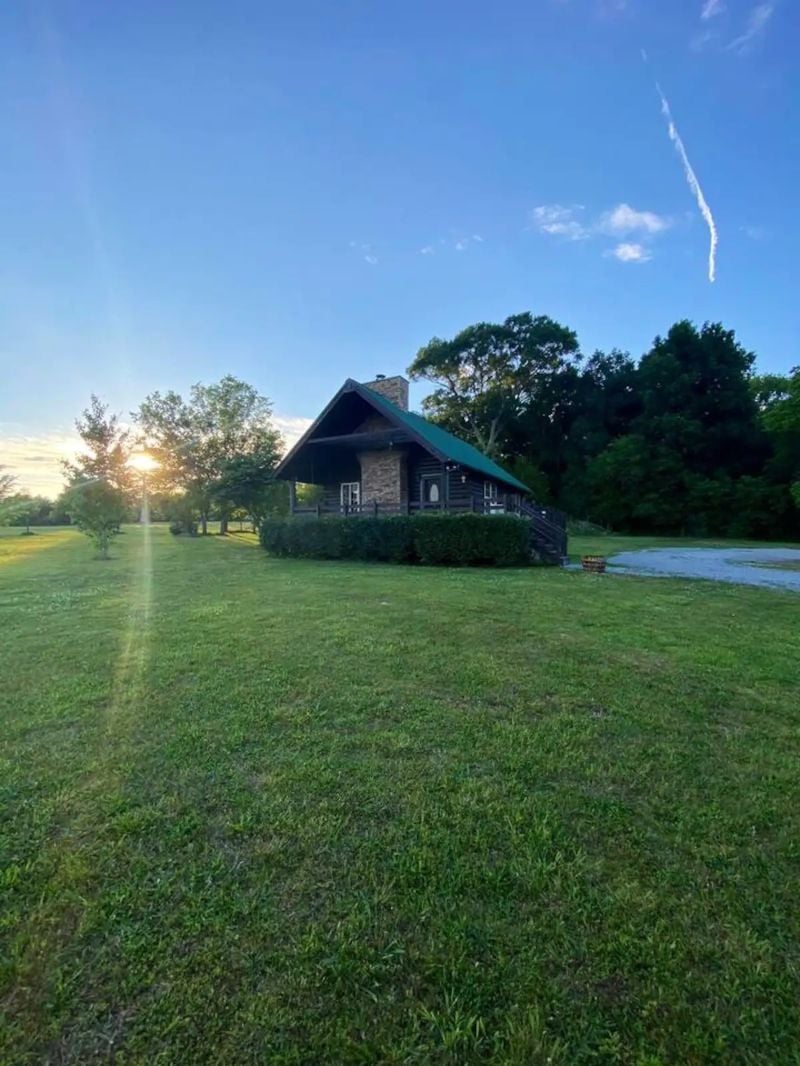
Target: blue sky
{"x":298,"y":193}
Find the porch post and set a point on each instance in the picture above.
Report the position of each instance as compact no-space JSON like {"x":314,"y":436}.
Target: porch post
{"x":292,"y":496}
{"x":445,"y":487}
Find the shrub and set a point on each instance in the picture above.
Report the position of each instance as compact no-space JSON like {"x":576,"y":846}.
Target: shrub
{"x":472,"y":540}
{"x":444,"y":540}
{"x":581,"y":527}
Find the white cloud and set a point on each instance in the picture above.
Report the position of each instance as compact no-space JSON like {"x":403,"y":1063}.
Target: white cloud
{"x":712,"y":8}
{"x":630,"y":253}
{"x":609,"y":8}
{"x":704,"y":37}
{"x":36,"y":459}
{"x":459,"y":244}
{"x":624,"y":219}
{"x":755,"y":233}
{"x":620,"y":221}
{"x":756,"y":25}
{"x":368,"y":254}
{"x":560,"y":221}
{"x":463,"y":242}
{"x":292,"y":427}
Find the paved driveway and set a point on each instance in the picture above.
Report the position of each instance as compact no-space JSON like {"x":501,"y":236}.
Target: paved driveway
{"x":743,"y":566}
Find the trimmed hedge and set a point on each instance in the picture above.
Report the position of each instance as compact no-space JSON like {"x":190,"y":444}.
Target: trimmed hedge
{"x":441,"y":540}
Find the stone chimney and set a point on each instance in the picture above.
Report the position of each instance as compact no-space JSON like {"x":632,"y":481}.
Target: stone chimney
{"x":394,"y":389}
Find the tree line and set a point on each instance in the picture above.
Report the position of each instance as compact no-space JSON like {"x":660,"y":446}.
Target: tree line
{"x":690,"y":439}
{"x":212,"y":453}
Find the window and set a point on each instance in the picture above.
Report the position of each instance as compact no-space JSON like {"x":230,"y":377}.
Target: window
{"x":350,"y":494}
{"x":432,"y":490}
{"x":492,"y":503}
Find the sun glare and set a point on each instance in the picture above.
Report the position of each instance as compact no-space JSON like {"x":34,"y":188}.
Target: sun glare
{"x":142,"y":462}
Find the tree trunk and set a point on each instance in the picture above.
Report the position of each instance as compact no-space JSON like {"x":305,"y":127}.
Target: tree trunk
{"x":204,"y":524}
{"x":223,"y":525}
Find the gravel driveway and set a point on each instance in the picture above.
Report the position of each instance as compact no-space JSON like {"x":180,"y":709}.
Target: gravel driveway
{"x":743,"y":566}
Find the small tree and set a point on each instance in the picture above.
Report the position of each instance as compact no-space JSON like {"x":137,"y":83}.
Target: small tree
{"x":97,"y":508}
{"x":24,"y":510}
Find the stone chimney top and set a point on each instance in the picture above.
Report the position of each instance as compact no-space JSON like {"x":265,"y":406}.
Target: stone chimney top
{"x":394,"y":389}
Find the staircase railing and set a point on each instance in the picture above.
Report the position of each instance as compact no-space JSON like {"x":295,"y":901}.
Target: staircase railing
{"x":550,"y":525}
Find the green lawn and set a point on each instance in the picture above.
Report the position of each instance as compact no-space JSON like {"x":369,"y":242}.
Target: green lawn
{"x":260,"y":811}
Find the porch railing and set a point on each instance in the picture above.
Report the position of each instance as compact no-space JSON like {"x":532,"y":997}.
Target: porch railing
{"x":548,"y":525}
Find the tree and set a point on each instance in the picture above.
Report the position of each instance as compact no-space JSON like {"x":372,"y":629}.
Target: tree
{"x":488,"y":372}
{"x":637,"y":486}
{"x":782,"y":414}
{"x":676,"y":465}
{"x":247,"y":483}
{"x":109,"y":449}
{"x":697,"y":400}
{"x":769,"y":389}
{"x":98,"y":509}
{"x":195,"y":440}
{"x":7,"y":484}
{"x":573,"y":415}
{"x":781,"y":420}
{"x":25,"y":510}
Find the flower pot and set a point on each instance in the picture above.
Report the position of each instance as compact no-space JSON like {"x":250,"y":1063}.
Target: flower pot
{"x":594,"y":564}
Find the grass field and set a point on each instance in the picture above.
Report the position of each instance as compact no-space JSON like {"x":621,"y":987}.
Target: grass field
{"x":259,"y":811}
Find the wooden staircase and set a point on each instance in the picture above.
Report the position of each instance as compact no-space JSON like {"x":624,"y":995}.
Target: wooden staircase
{"x":548,"y":532}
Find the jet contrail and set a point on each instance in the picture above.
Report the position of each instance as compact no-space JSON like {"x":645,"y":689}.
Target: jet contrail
{"x":694,"y":184}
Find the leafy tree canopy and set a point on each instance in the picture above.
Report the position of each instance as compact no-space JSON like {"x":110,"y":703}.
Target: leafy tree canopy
{"x":487,"y":373}
{"x":108,"y":445}
{"x":194,"y":440}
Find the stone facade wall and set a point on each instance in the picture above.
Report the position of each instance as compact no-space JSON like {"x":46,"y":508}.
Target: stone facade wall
{"x":384,"y":476}
{"x":394,"y":389}
{"x":373,"y":423}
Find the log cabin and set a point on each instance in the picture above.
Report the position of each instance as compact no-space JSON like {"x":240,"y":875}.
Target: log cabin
{"x":370,"y":455}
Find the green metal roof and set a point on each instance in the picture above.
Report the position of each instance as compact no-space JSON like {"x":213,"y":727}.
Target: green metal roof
{"x":455,"y":450}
